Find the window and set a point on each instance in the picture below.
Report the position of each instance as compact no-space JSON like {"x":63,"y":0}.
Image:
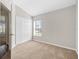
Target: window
{"x":2,"y":24}
{"x":37,"y":27}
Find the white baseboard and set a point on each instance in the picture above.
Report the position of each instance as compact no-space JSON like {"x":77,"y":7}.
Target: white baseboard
{"x":12,"y":46}
{"x":56,"y":45}
{"x":76,"y":51}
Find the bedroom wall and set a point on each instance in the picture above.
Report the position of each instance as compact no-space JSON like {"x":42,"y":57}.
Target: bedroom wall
{"x":76,"y":36}
{"x":58,"y":27}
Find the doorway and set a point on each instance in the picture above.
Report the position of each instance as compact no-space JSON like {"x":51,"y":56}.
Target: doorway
{"x":4,"y":30}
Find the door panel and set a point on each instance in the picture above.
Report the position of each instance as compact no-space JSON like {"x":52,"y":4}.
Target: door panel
{"x":23,"y":29}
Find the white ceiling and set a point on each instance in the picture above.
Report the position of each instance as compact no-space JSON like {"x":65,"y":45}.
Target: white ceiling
{"x":36,"y":7}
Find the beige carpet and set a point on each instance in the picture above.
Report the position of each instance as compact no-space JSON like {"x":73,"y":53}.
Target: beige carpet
{"x":37,"y":50}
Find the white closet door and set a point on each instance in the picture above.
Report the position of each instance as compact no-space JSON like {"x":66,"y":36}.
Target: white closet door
{"x":23,"y":29}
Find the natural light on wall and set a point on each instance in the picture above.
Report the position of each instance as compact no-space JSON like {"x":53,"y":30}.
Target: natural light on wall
{"x":37,"y":28}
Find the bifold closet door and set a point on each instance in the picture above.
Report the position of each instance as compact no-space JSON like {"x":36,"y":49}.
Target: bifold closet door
{"x":23,"y":29}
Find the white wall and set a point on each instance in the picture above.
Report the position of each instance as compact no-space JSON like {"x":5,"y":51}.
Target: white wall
{"x":76,"y":36}
{"x":59,"y":27}
{"x":13,"y":25}
{"x":23,"y":26}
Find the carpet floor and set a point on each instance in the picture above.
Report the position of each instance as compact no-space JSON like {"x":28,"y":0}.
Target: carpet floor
{"x":38,"y":50}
